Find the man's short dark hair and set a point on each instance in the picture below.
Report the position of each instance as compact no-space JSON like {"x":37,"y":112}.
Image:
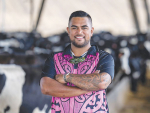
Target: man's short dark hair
{"x":80,"y":14}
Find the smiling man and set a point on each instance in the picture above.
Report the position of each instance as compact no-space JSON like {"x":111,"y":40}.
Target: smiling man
{"x":80,"y":31}
{"x":78,"y":77}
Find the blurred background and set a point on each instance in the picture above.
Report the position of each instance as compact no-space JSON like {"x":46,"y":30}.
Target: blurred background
{"x":32,"y":29}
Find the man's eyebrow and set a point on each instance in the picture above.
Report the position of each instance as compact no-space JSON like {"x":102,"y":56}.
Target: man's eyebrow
{"x":73,"y":26}
{"x":84,"y":26}
{"x":77,"y":26}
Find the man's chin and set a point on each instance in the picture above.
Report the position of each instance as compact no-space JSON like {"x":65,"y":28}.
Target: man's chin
{"x":79,"y":45}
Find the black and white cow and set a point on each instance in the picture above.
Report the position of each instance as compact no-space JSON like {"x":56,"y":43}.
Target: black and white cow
{"x":146,"y":44}
{"x":20,"y":91}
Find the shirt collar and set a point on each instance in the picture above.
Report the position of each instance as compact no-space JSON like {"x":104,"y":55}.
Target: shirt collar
{"x":92,"y":50}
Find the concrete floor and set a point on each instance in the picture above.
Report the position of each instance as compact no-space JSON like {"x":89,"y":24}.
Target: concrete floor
{"x":139,"y":102}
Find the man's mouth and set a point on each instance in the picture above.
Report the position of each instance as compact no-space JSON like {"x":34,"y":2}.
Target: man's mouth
{"x":79,"y":37}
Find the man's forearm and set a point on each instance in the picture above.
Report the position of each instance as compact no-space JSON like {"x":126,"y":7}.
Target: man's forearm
{"x":92,"y":82}
{"x":52,"y":87}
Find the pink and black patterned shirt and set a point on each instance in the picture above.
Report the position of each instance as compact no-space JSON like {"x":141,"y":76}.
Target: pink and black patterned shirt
{"x":93,"y":102}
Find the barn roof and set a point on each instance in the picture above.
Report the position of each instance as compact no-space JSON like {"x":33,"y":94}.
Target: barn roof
{"x":108,"y":15}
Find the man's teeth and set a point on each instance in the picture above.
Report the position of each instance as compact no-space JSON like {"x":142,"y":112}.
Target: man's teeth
{"x":79,"y":37}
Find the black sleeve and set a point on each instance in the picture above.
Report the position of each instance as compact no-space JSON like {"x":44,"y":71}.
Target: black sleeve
{"x":49,"y":67}
{"x":106,"y":64}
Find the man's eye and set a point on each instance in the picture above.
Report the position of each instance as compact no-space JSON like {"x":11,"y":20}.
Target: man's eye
{"x":84,"y":28}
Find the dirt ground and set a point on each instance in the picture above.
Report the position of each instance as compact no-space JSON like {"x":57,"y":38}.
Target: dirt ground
{"x":139,"y":102}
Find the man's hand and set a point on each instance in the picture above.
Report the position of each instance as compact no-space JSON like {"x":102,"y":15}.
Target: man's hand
{"x":59,"y":78}
{"x":97,"y":71}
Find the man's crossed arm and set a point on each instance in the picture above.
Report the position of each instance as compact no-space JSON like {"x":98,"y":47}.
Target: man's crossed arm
{"x":84,"y":82}
{"x":91,"y":82}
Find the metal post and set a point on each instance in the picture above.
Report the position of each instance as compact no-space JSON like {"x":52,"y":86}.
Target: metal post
{"x":31,"y":14}
{"x":135,"y":15}
{"x":148,"y":18}
{"x":3,"y":7}
{"x":40,"y":12}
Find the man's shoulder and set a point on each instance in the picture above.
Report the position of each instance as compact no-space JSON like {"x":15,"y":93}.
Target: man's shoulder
{"x":51,"y":55}
{"x":95,"y":49}
{"x":104,"y":54}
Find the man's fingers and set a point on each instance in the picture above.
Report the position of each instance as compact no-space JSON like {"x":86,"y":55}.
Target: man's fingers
{"x":97,"y":71}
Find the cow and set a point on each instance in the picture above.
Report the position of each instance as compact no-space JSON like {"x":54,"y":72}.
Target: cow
{"x":20,"y":91}
{"x":146,"y":44}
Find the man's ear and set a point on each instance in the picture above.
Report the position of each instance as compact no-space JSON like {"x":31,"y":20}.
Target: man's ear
{"x":68,"y":30}
{"x":92,"y":30}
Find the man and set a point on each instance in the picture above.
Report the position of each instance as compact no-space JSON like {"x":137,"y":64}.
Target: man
{"x":77,"y":78}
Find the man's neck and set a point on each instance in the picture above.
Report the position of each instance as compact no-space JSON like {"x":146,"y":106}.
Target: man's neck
{"x":79,"y":51}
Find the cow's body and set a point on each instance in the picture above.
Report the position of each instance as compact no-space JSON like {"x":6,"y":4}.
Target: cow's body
{"x":11,"y":95}
{"x":20,"y":91}
{"x":2,"y":81}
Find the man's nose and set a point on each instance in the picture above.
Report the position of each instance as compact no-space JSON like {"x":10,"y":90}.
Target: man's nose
{"x":79,"y":30}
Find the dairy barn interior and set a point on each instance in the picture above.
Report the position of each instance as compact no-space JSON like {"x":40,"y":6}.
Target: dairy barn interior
{"x":32,"y":29}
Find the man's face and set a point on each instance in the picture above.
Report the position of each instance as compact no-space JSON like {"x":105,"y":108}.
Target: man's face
{"x":80,"y":31}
